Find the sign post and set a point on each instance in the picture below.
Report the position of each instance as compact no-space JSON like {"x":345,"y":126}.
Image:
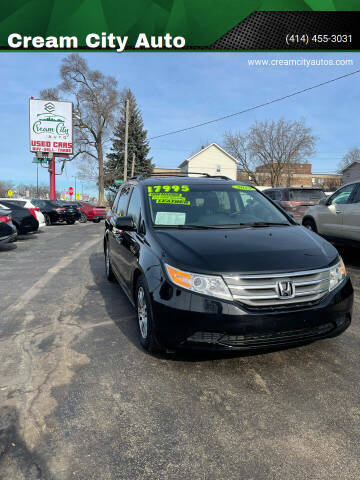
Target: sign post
{"x":51,"y":132}
{"x":52,"y":171}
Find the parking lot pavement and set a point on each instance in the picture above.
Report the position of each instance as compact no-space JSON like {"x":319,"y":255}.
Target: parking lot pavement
{"x":79,"y":398}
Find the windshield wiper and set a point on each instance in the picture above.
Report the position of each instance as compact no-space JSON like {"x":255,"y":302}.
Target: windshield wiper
{"x":267,"y":224}
{"x":187,"y":227}
{"x":205,"y":227}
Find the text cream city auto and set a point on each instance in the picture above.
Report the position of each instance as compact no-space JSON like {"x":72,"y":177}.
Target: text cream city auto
{"x":213,"y":263}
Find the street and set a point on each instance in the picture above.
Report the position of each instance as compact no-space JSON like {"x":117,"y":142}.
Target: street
{"x":80,"y":399}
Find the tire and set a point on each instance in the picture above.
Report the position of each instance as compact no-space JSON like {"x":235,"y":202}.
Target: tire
{"x":310,"y":224}
{"x":83,"y":218}
{"x":70,"y":222}
{"x":108,"y":268}
{"x":18,"y":231}
{"x":145,"y":318}
{"x":96,"y":220}
{"x":47,"y":219}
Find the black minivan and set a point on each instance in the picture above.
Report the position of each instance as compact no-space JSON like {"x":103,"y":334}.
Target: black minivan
{"x":213,"y":263}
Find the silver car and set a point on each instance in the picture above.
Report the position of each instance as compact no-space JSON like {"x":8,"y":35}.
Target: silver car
{"x":338,"y":216}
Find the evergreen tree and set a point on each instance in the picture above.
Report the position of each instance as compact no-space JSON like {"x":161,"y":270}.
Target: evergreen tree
{"x":137,"y":143}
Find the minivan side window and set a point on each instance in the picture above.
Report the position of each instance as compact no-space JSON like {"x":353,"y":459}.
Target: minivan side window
{"x":343,"y":195}
{"x":116,"y":201}
{"x":135,"y":206}
{"x":123,"y":200}
{"x":356,"y":198}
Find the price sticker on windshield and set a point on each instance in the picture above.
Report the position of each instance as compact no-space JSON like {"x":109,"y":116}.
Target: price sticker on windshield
{"x":168,"y":188}
{"x":243,"y":187}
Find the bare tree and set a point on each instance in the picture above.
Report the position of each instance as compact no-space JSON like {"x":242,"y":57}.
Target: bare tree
{"x":353,"y":155}
{"x":270,"y":148}
{"x":237,"y":145}
{"x":31,"y":190}
{"x":276,"y":146}
{"x":96,"y":102}
{"x":5,"y":186}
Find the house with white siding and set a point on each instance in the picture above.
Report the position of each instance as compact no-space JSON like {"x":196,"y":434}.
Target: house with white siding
{"x":351,"y":173}
{"x":213,"y":160}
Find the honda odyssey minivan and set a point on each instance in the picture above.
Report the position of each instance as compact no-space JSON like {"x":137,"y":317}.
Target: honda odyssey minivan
{"x":213,"y":263}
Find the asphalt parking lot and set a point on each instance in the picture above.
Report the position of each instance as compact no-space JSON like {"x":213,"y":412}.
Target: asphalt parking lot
{"x":80,"y":399}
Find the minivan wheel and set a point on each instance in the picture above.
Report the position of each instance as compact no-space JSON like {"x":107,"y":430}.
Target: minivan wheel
{"x":108,"y":268}
{"x":145,"y":318}
{"x":310,"y":224}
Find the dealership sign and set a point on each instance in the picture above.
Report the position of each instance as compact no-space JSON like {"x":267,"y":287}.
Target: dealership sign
{"x":51,"y":126}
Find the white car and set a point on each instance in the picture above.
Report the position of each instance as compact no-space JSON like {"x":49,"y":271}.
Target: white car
{"x":25,"y":203}
{"x":337,"y":217}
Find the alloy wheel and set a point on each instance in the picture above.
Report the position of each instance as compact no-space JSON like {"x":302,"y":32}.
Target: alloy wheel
{"x":107,"y":261}
{"x":142,"y":312}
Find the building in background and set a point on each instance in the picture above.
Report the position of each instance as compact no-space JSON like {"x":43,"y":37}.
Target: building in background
{"x":300,"y":175}
{"x":213,"y":160}
{"x":351,"y":173}
{"x":165,"y":171}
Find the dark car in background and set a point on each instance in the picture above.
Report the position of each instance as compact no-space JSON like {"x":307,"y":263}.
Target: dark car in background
{"x":56,"y":211}
{"x":213,"y":263}
{"x":24,"y":221}
{"x":7,"y":228}
{"x":295,"y":200}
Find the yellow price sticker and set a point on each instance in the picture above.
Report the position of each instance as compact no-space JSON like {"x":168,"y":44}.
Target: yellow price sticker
{"x":243,"y":187}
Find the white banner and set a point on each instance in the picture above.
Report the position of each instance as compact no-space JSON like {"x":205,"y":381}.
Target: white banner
{"x":51,"y":126}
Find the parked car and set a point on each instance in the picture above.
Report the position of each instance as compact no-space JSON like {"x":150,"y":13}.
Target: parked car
{"x":337,"y":217}
{"x":24,"y":221}
{"x":93,"y":213}
{"x":7,"y":228}
{"x":213,"y":263}
{"x":295,"y":200}
{"x":56,"y":211}
{"x":26,"y":203}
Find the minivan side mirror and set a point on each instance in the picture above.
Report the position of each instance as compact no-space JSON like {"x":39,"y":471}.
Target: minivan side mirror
{"x":125,"y":223}
{"x":323,"y":201}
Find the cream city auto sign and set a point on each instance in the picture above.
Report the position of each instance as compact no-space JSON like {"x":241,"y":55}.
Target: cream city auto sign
{"x":51,"y":126}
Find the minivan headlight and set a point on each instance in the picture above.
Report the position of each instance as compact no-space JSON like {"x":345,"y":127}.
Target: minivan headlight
{"x":205,"y":284}
{"x":337,"y":275}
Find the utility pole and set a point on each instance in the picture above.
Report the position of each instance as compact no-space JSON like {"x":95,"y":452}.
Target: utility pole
{"x":75,"y":187}
{"x":126,"y":138}
{"x":133,"y":165}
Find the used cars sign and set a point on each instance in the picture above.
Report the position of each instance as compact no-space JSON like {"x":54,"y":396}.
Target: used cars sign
{"x":51,"y":126}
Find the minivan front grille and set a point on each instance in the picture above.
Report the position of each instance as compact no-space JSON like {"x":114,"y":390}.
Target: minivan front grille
{"x":285,"y":289}
{"x":258,"y":339}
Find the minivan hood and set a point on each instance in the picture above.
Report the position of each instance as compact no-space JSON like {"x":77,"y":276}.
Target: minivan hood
{"x":245,"y":250}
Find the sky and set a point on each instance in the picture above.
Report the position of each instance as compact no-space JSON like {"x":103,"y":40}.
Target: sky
{"x":177,"y":90}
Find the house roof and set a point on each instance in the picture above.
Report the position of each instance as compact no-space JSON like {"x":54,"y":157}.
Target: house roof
{"x":351,"y":164}
{"x":203,"y":150}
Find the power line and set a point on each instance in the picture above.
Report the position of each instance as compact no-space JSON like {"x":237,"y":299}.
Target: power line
{"x":257,"y":106}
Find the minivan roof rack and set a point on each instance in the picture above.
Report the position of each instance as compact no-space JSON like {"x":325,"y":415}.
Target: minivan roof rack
{"x":177,"y":174}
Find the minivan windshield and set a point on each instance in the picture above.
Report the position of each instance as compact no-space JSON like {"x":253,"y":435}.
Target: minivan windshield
{"x":205,"y":205}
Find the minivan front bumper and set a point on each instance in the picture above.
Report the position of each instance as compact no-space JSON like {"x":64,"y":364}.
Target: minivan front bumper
{"x":187,"y":320}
